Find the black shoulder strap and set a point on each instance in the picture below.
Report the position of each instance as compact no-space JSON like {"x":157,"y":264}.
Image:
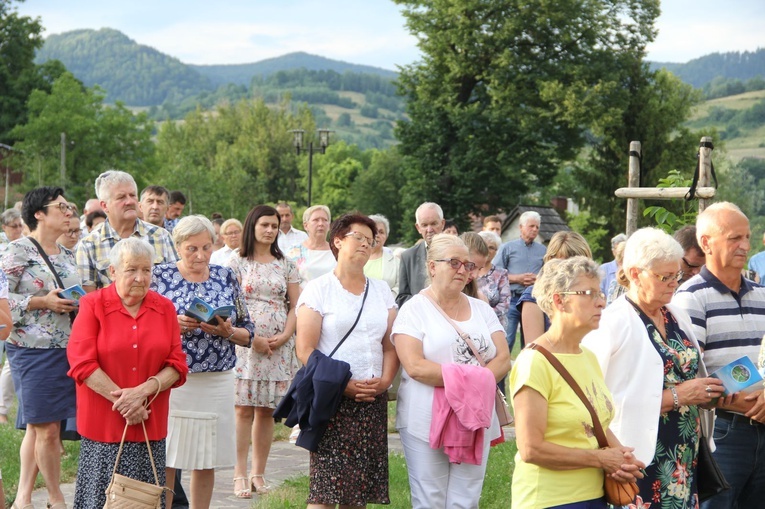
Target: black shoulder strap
{"x":366,"y":291}
{"x":53,"y":270}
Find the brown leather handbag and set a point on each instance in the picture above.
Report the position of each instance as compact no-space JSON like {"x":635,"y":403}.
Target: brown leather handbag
{"x":617,"y":493}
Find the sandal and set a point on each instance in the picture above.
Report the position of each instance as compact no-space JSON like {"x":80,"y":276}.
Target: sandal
{"x":57,"y":505}
{"x":260,"y":490}
{"x":243,"y":493}
{"x":28,"y":506}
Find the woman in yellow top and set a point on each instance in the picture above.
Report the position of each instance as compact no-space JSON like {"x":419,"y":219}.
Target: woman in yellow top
{"x":559,"y":462}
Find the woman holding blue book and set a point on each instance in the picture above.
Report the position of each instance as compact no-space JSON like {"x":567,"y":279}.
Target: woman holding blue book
{"x":201,"y":426}
{"x":653,"y":367}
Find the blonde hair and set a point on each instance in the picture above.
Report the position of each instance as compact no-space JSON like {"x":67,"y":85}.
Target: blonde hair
{"x":310,"y":210}
{"x":567,"y":245}
{"x":475,"y":243}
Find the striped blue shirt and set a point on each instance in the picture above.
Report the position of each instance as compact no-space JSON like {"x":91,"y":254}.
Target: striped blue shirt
{"x":727,"y":324}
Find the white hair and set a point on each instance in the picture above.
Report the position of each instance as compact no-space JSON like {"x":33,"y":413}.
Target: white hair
{"x":428,"y":205}
{"x":618,"y":239}
{"x":529,"y":214}
{"x":649,"y":246}
{"x":491,"y":237}
{"x":110,"y":178}
{"x":192,"y":225}
{"x":131,"y":247}
{"x":708,"y":222}
{"x":379,"y":218}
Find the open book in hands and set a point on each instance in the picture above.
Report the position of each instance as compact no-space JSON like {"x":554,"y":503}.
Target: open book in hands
{"x":205,"y":312}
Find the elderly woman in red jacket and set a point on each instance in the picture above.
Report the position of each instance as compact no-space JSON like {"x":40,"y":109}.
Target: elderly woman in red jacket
{"x":118,"y":368}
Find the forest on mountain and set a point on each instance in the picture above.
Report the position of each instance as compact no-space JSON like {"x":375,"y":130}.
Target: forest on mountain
{"x":480,"y":124}
{"x":733,"y":65}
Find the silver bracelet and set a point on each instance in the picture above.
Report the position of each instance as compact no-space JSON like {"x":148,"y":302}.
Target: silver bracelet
{"x":675,"y":399}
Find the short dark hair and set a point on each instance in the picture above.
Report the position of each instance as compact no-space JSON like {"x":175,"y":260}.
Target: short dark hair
{"x":36,"y":200}
{"x":342,"y":225}
{"x":283,"y":205}
{"x":448,"y":223}
{"x":177,"y":197}
{"x":218,"y":220}
{"x":155,"y":190}
{"x":491,"y":219}
{"x":686,"y":237}
{"x":92,"y":216}
{"x":216,"y":215}
{"x":247,"y":249}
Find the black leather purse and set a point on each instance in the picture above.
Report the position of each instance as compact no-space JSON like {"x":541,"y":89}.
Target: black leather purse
{"x":709,"y":478}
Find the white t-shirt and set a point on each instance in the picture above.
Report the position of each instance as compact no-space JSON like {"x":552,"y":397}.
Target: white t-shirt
{"x":221,"y":256}
{"x":441,"y":343}
{"x":339,"y":309}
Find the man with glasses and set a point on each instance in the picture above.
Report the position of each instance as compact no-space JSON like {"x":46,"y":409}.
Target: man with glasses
{"x":693,"y":257}
{"x":728,"y":317}
{"x":119,"y":198}
{"x":412,"y":277}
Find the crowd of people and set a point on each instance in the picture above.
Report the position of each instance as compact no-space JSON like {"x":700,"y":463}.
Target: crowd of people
{"x":169,"y":343}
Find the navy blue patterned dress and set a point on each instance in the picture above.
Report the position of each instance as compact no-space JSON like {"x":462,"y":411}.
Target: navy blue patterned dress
{"x":670,"y":482}
{"x":205,"y":352}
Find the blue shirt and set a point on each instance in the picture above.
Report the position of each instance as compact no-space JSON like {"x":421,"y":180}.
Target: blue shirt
{"x":205,"y":352}
{"x":517,"y":257}
{"x":757,"y":264}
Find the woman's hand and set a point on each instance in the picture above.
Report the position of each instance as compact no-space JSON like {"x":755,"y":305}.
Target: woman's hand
{"x":277,"y":340}
{"x":363,"y":390}
{"x":57,"y":304}
{"x":187,"y":323}
{"x":620,"y":464}
{"x":699,"y":391}
{"x":131,"y":404}
{"x":261,"y":345}
{"x":223,"y":328}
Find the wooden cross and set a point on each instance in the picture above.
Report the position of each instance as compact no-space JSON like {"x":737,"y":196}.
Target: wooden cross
{"x":634,"y":192}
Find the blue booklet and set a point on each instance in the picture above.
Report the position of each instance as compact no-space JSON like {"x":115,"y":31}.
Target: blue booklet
{"x":74,"y":293}
{"x":205,"y":312}
{"x":738,"y":375}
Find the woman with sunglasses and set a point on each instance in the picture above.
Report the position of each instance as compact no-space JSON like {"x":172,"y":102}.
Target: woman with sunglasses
{"x":652,"y":364}
{"x":39,"y":337}
{"x":350,"y":465}
{"x":426,"y":342}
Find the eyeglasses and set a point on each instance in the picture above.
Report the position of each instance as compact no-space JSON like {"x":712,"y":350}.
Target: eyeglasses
{"x":63,"y":207}
{"x":691,"y":266}
{"x":362,"y":238}
{"x":233,"y":234}
{"x":456,"y":264}
{"x":15,"y":226}
{"x":74,"y":233}
{"x":593,"y":294}
{"x":677,"y":276}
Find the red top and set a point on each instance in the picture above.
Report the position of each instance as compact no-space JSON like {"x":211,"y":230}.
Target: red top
{"x":129,"y":350}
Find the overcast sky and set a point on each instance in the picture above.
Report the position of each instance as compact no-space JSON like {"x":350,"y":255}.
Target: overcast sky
{"x":367,"y":32}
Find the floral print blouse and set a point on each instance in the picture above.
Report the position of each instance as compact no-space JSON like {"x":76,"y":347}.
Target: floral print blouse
{"x":205,"y":352}
{"x":496,"y":287}
{"x":29,"y":276}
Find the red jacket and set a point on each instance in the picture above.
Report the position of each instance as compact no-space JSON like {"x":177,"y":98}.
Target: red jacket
{"x":129,"y":350}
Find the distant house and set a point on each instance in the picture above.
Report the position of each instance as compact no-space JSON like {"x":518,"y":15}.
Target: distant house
{"x":550,"y":225}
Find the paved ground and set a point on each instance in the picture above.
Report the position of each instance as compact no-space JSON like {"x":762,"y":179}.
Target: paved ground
{"x":285,"y":461}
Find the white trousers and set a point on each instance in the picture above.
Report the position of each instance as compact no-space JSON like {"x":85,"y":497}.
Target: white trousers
{"x":6,"y":388}
{"x":435,"y":483}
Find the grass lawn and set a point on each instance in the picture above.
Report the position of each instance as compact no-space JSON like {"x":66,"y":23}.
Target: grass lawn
{"x":10,"y":443}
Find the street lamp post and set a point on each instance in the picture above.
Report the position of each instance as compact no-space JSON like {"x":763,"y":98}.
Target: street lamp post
{"x":322,"y":148}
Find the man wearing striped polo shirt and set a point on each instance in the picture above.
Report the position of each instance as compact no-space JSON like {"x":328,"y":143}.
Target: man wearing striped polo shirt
{"x":728,"y":316}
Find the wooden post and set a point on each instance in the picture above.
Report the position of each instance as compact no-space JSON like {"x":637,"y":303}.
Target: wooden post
{"x":634,"y":181}
{"x":705,"y":169}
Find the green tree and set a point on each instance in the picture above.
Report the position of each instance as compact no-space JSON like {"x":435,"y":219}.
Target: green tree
{"x":98,"y":138}
{"x":503,"y":91}
{"x":20,"y":37}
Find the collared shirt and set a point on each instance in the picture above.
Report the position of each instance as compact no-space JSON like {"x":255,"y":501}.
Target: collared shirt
{"x":222,"y":256}
{"x":757,"y":264}
{"x":289,"y":239}
{"x":93,"y":251}
{"x":170,"y":224}
{"x":129,"y":350}
{"x":518,"y":257}
{"x":727,"y":324}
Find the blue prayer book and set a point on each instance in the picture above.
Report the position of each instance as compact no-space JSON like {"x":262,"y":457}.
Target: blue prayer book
{"x":738,"y":375}
{"x":205,"y":312}
{"x":74,"y":293}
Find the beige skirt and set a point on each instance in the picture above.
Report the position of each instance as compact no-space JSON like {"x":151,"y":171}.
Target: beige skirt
{"x":201,"y":432}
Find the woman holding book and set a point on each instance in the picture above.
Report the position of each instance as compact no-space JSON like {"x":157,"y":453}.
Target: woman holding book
{"x":658,"y":411}
{"x":201,"y":427}
{"x":271,"y":287}
{"x":39,"y":337}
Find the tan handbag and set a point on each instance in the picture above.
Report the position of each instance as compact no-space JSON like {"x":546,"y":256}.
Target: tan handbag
{"x":126,"y":493}
{"x":500,"y":404}
{"x":617,"y":493}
